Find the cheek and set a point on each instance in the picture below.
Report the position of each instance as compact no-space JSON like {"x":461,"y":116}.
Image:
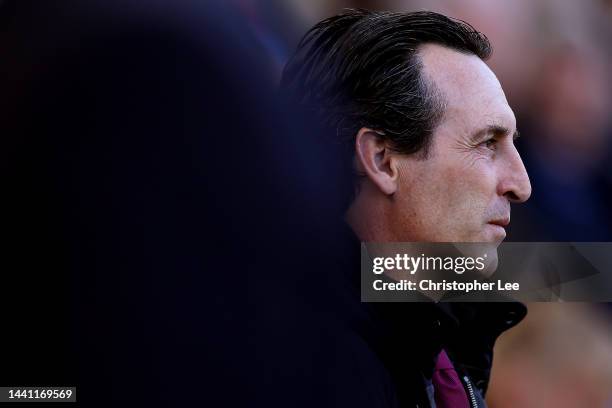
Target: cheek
{"x":442,"y":201}
{"x":459,"y":196}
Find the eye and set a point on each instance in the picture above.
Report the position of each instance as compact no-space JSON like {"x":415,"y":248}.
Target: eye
{"x":490,"y":143}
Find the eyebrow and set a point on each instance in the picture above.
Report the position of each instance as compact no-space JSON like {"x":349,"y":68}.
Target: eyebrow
{"x":495,"y":130}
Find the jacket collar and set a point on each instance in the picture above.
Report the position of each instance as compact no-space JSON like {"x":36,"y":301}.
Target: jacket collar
{"x":408,"y":337}
{"x":403,"y":334}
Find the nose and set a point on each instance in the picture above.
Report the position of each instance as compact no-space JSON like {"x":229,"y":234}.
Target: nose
{"x":514,"y":182}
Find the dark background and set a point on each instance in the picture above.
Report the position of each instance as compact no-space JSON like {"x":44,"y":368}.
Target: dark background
{"x":171,"y":228}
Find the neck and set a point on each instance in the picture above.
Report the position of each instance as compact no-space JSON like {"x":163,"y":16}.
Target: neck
{"x":367,"y":218}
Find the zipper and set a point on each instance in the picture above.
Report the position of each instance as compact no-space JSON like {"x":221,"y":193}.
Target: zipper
{"x":468,"y":383}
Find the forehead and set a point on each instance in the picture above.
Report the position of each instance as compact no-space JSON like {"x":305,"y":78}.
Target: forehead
{"x":472,"y":94}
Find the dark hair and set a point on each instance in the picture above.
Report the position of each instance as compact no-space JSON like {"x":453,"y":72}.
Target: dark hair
{"x":361,"y":69}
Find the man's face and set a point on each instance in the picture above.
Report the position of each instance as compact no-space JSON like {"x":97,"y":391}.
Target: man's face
{"x":462,"y":191}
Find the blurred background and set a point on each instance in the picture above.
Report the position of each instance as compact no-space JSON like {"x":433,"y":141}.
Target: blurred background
{"x":92,"y":151}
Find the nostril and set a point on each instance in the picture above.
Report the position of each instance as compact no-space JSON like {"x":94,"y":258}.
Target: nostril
{"x":512,"y":197}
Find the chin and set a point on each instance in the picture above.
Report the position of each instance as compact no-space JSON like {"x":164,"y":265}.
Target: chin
{"x":494,"y":234}
{"x":490,"y":264}
{"x":480,"y":248}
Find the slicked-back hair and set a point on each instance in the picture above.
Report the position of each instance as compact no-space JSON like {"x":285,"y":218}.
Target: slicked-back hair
{"x":361,"y":69}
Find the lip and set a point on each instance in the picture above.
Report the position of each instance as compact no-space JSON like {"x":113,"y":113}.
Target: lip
{"x":502,"y":222}
{"x":498,"y":230}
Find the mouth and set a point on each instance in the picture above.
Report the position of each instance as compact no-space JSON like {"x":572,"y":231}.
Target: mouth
{"x":501,"y":222}
{"x":499,"y":226}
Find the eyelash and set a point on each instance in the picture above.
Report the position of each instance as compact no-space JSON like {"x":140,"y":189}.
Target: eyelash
{"x":490,"y":143}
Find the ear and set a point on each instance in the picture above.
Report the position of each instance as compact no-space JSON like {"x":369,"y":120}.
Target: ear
{"x":375,"y":159}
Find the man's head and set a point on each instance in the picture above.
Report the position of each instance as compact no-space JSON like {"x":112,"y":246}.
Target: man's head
{"x":430,"y":130}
